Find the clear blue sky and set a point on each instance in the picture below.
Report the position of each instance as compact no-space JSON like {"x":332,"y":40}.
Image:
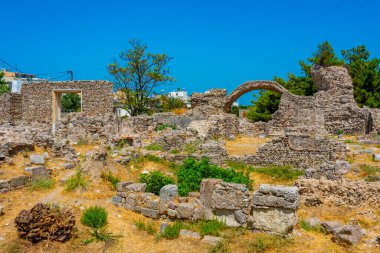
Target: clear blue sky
{"x":215,"y":44}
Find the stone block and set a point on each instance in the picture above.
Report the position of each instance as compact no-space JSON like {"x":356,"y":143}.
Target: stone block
{"x":136,"y":187}
{"x":189,"y":234}
{"x":122,"y":186}
{"x":20,"y":181}
{"x":276,"y":196}
{"x":211,"y":240}
{"x":37,"y":172}
{"x":68,"y":166}
{"x":163,"y":226}
{"x":229,"y":196}
{"x":348,"y":235}
{"x":185,"y":211}
{"x":226,"y":216}
{"x":276,"y":220}
{"x":116,"y":200}
{"x":167,"y":193}
{"x":37,"y":159}
{"x":376,"y":157}
{"x":206,"y":190}
{"x":149,"y":212}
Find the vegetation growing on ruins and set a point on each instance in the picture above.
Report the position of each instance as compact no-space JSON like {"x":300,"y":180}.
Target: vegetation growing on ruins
{"x":95,"y":217}
{"x":112,"y":179}
{"x":138,"y":75}
{"x":149,"y":226}
{"x":76,"y":181}
{"x":154,"y":147}
{"x":155,"y":180}
{"x":42,"y":184}
{"x":191,"y":173}
{"x":263,"y":242}
{"x":4,"y":88}
{"x":280,"y":172}
{"x":365,"y":73}
{"x":171,"y":231}
{"x":211,"y":227}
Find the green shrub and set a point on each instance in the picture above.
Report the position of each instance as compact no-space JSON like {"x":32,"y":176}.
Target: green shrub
{"x":154,"y":147}
{"x":280,"y":172}
{"x":82,"y":142}
{"x":191,"y":173}
{"x":155,"y":159}
{"x":348,"y":141}
{"x":172,"y":231}
{"x":212,"y":227}
{"x":109,"y":177}
{"x":164,"y":126}
{"x":76,"y":181}
{"x":263,"y":242}
{"x":149,"y":227}
{"x":339,"y":132}
{"x":94,"y":217}
{"x":155,"y":180}
{"x":174,"y":151}
{"x":42,"y":184}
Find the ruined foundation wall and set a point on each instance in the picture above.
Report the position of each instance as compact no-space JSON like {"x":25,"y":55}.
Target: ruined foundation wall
{"x":10,"y":107}
{"x":299,"y":151}
{"x":37,"y":98}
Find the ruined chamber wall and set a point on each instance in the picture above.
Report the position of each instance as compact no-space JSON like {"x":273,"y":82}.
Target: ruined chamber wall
{"x":10,"y":107}
{"x":37,"y":98}
{"x":300,"y":151}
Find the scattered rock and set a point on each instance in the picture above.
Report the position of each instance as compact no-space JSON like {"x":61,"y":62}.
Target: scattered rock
{"x":163,"y":226}
{"x":68,"y":166}
{"x":136,"y":187}
{"x":189,"y":234}
{"x":348,"y":235}
{"x":330,"y":227}
{"x":211,"y":240}
{"x":37,"y":159}
{"x":167,"y":193}
{"x":313,"y":221}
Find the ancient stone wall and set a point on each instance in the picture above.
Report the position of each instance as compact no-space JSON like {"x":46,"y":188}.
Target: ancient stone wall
{"x":211,"y":102}
{"x":10,"y":107}
{"x":37,"y":98}
{"x":375,"y":119}
{"x":300,"y":151}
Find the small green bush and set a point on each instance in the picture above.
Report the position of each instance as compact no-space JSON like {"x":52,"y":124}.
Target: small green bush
{"x":174,"y":151}
{"x":149,"y":227}
{"x":109,"y":177}
{"x":164,"y":126}
{"x":42,"y":184}
{"x":82,"y":142}
{"x":76,"y":181}
{"x":154,"y":147}
{"x":263,"y":242}
{"x":191,"y":173}
{"x":155,"y":180}
{"x":94,"y":217}
{"x":172,"y":231}
{"x":348,"y":141}
{"x":280,"y":172}
{"x":212,"y":227}
{"x":340,"y":131}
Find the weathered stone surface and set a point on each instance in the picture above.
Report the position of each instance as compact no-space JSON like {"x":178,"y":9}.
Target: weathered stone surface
{"x":37,"y":172}
{"x":348,"y":235}
{"x":340,"y":193}
{"x":189,"y":234}
{"x":122,"y":186}
{"x":20,"y":181}
{"x":276,"y":196}
{"x":240,"y":216}
{"x":229,"y":196}
{"x":37,"y":159}
{"x":226,"y":216}
{"x":206,"y":190}
{"x":185,"y":211}
{"x":330,"y":227}
{"x":313,"y":221}
{"x":163,"y":226}
{"x":68,"y":166}
{"x":167,"y":193}
{"x":329,"y":170}
{"x":277,"y":220}
{"x":136,"y":187}
{"x":149,"y":212}
{"x":211,"y":240}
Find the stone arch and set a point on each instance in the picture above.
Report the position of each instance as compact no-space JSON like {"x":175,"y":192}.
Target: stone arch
{"x":250,"y":86}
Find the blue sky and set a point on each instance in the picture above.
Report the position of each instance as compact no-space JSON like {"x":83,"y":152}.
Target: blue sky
{"x":215,"y":44}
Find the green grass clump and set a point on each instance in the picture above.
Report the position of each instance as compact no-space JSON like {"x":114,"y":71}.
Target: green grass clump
{"x":263,"y":242}
{"x":82,"y":142}
{"x":154,"y":147}
{"x":191,"y":173}
{"x":76,"y":181}
{"x":155,"y":180}
{"x":348,"y":141}
{"x":280,"y":172}
{"x":212,"y":227}
{"x":172,"y":231}
{"x":369,"y":172}
{"x":239,"y":166}
{"x":191,"y":148}
{"x":175,"y":151}
{"x":164,"y":126}
{"x":154,"y":158}
{"x":42,"y":184}
{"x":307,"y":227}
{"x":95,"y":217}
{"x":149,"y":227}
{"x":109,"y":177}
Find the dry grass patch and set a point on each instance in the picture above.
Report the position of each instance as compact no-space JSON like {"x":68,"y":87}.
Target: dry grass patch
{"x":243,"y":145}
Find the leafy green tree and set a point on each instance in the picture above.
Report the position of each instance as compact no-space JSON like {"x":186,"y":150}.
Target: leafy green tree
{"x":140,"y":73}
{"x":4,"y":87}
{"x":170,"y":103}
{"x":235,"y":110}
{"x":267,"y":102}
{"x":365,"y":73}
{"x":71,"y":102}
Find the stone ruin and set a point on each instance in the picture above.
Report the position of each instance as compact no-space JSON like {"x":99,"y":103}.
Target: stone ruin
{"x":271,"y":208}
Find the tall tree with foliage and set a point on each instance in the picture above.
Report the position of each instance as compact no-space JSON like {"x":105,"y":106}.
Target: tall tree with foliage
{"x":138,"y":75}
{"x":365,"y":73}
{"x":4,"y":87}
{"x":71,"y":102}
{"x":267,"y":102}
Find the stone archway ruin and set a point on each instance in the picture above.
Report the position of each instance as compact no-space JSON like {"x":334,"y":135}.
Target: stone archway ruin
{"x":250,"y":86}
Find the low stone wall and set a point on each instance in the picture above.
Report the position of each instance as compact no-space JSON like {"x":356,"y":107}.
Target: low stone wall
{"x":10,"y":107}
{"x":315,"y":192}
{"x":300,"y":151}
{"x":227,"y":202}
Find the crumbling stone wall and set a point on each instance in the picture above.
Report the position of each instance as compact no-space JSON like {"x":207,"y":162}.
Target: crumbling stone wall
{"x":211,"y":102}
{"x":10,"y":107}
{"x":37,"y":98}
{"x":300,"y":151}
{"x":375,"y":120}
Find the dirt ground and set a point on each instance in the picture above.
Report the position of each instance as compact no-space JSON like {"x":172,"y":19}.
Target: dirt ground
{"x":121,"y":221}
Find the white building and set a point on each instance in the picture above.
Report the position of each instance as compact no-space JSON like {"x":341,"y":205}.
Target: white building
{"x":181,"y":94}
{"x":15,"y":79}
